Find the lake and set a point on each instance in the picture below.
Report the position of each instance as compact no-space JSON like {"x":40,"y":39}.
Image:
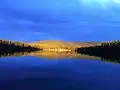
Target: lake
{"x":38,"y":73}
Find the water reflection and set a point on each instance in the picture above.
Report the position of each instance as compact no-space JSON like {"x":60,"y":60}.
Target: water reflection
{"x":50,"y":55}
{"x":29,"y":73}
{"x":14,"y":54}
{"x":59,"y":55}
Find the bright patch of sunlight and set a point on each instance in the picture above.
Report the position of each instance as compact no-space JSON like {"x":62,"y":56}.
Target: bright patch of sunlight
{"x":97,"y":3}
{"x":116,"y":1}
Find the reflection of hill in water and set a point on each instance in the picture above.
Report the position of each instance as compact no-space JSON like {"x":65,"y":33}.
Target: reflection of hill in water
{"x":50,"y":55}
{"x":57,"y":55}
{"x":53,"y":55}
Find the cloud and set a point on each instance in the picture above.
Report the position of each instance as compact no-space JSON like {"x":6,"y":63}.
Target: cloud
{"x":59,"y":19}
{"x":27,"y":36}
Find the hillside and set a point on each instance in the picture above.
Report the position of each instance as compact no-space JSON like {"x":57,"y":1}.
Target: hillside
{"x":60,"y":44}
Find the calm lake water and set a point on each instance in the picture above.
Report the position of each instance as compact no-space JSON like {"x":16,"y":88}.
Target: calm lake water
{"x":35,"y":73}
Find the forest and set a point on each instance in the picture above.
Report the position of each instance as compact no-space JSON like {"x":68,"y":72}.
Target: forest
{"x":109,"y":51}
{"x":12,"y":46}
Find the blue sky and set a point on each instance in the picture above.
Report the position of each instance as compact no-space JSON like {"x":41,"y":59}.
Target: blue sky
{"x":69,"y":20}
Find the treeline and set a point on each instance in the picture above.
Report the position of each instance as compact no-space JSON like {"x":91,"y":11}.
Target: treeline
{"x":12,"y":46}
{"x":107,"y":50}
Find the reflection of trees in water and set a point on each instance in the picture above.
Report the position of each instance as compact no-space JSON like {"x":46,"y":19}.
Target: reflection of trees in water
{"x":49,"y":55}
{"x":53,"y":55}
{"x":40,"y":53}
{"x":12,"y":48}
{"x":60,"y":55}
{"x":109,"y":51}
{"x":14,"y":54}
{"x":111,"y":60}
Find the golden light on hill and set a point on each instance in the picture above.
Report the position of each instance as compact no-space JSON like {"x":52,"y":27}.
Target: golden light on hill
{"x":60,"y":44}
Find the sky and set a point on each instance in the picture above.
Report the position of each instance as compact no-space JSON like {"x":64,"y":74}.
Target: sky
{"x":69,"y":20}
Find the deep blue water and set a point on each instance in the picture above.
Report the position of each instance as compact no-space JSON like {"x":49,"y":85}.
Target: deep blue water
{"x":31,"y":73}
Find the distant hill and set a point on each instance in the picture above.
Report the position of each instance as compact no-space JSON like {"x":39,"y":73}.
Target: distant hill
{"x":13,"y":46}
{"x":58,"y":44}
